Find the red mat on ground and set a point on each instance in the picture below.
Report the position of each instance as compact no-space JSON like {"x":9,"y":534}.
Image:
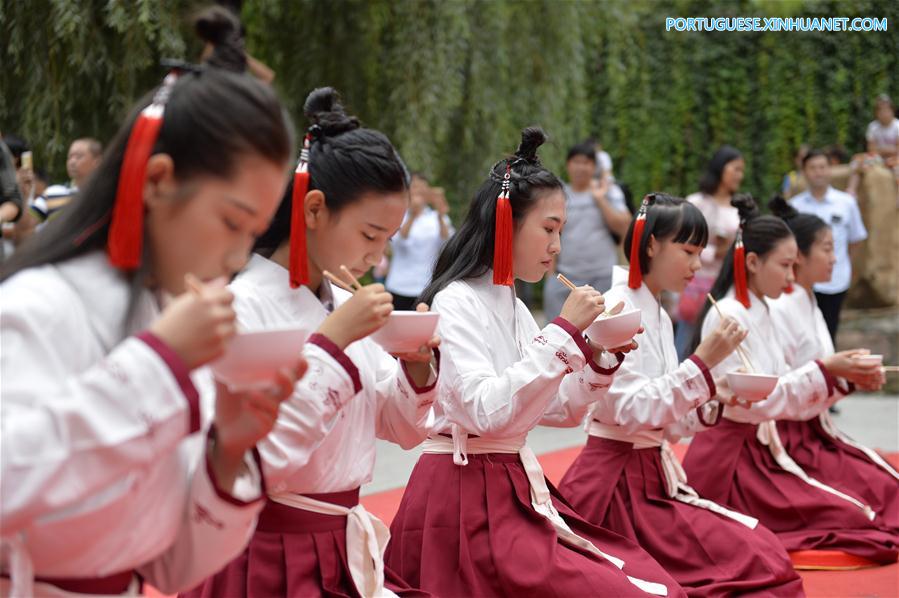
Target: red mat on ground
{"x":879,"y":582}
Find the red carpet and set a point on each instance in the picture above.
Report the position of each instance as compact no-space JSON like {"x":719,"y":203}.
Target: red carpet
{"x":880,"y":582}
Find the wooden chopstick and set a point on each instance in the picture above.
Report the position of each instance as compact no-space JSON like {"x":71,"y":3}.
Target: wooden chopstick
{"x":740,"y":351}
{"x":890,"y":368}
{"x":572,"y":286}
{"x":338,"y":282}
{"x":565,"y":281}
{"x":355,"y":283}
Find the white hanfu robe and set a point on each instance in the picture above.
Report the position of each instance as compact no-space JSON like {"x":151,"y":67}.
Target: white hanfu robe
{"x":104,"y":466}
{"x":323,"y":444}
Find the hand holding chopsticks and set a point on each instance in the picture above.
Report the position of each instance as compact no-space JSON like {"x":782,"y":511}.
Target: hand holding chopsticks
{"x":583,"y":305}
{"x":744,"y":356}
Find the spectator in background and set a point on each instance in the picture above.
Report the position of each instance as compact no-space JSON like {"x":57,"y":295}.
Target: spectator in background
{"x":603,"y":162}
{"x":10,"y":195}
{"x":792,"y":180}
{"x":883,"y":132}
{"x":596,"y":211}
{"x":837,"y":154}
{"x":83,"y":159}
{"x":840,"y":211}
{"x":717,"y":186}
{"x":415,"y":247}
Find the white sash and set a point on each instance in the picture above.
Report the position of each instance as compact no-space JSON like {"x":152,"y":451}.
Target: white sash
{"x":675,"y":476}
{"x":830,"y":428}
{"x":541,"y":500}
{"x":366,"y":541}
{"x":768,"y":436}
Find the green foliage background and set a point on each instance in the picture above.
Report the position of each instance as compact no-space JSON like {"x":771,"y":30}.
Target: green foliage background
{"x":453,"y":81}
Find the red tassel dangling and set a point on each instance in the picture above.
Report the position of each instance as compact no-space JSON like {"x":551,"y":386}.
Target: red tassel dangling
{"x":741,"y":284}
{"x":634,"y":273}
{"x":125,"y":241}
{"x":502,"y":246}
{"x":299,"y":262}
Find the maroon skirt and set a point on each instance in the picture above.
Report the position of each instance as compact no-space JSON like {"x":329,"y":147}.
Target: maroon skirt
{"x":295,"y":554}
{"x":471,"y":531}
{"x":844,"y":467}
{"x":623,"y":489}
{"x":729,"y":465}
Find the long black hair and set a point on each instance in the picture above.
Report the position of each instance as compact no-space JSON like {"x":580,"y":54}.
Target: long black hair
{"x":714,"y":170}
{"x":668,"y":217}
{"x":469,"y":253}
{"x":345,"y":162}
{"x":213,"y":118}
{"x":761,"y":234}
{"x":805,"y":227}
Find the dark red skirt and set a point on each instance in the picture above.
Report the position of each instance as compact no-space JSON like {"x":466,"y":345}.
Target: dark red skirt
{"x":471,"y":531}
{"x":844,"y":467}
{"x":623,"y":489}
{"x":729,"y":465}
{"x":295,"y":554}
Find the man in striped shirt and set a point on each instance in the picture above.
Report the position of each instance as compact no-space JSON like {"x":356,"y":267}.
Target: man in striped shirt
{"x":84,"y":156}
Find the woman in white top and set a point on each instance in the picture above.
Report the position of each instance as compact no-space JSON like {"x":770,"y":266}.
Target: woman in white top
{"x":816,"y":444}
{"x":415,"y":247}
{"x":478,"y":517}
{"x":109,"y":475}
{"x":627,"y":478}
{"x":313,"y":537}
{"x":742,"y":462}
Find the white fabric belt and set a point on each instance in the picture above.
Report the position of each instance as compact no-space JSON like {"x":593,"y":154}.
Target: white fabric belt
{"x":766,"y":433}
{"x":830,"y":428}
{"x":675,"y":476}
{"x":15,"y":559}
{"x":366,"y":541}
{"x":541,"y":500}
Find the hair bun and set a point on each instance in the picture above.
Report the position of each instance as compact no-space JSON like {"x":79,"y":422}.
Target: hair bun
{"x":780,"y":208}
{"x":216,"y":24}
{"x":323,"y":108}
{"x":220,"y":27}
{"x":746,"y":206}
{"x":531,"y":139}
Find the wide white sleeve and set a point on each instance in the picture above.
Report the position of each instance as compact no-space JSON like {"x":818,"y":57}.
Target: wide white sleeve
{"x":800,"y":393}
{"x":580,"y":390}
{"x":508,"y":403}
{"x":68,"y":431}
{"x":638,"y":401}
{"x":304,"y":419}
{"x":216,"y":526}
{"x":403,"y":407}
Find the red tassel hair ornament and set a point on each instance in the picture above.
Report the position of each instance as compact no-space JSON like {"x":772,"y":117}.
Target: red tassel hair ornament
{"x":125,"y":242}
{"x":634,"y":273}
{"x":502,"y":246}
{"x":741,"y":284}
{"x":299,"y":261}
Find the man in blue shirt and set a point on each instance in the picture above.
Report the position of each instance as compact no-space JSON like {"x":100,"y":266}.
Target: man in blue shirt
{"x":840,"y":211}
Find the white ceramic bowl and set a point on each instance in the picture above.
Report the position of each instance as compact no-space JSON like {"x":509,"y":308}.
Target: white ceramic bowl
{"x":866,"y":360}
{"x":751,"y":387}
{"x":252,"y":359}
{"x":614,"y":331}
{"x":406,"y":331}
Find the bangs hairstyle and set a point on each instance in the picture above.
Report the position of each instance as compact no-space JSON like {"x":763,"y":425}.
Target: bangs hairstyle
{"x":668,"y":218}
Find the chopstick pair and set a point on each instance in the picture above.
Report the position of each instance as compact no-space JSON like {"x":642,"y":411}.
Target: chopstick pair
{"x":608,"y":312}
{"x":351,"y":287}
{"x":744,"y":357}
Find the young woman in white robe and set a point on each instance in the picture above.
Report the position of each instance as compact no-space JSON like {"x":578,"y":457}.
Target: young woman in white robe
{"x":627,"y":478}
{"x":816,"y":444}
{"x":313,"y":537}
{"x":742,"y":462}
{"x":109,"y":476}
{"x":478,"y":518}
